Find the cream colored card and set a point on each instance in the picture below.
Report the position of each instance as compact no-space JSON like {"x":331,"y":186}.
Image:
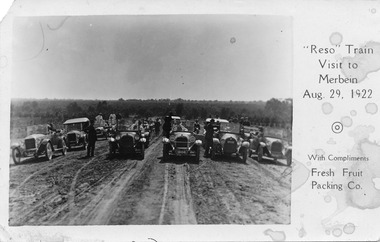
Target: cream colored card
{"x":324,"y":55}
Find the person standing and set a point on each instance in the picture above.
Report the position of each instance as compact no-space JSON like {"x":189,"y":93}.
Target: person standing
{"x":157,"y":126}
{"x":91,"y":139}
{"x":208,"y":137}
{"x":197,"y":127}
{"x":167,"y":126}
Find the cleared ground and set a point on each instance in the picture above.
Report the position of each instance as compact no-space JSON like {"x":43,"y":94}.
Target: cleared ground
{"x":74,"y":190}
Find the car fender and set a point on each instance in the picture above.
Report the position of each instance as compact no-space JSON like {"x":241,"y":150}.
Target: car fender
{"x":15,"y":145}
{"x":215,"y":141}
{"x":288,"y":151}
{"x":43,"y":144}
{"x":198,"y":142}
{"x":245,"y":144}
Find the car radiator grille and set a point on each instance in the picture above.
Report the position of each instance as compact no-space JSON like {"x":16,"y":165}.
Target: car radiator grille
{"x":276,"y":147}
{"x":30,"y":144}
{"x":230,"y":146}
{"x":181,"y":142}
{"x":72,"y":137}
{"x":126,"y":141}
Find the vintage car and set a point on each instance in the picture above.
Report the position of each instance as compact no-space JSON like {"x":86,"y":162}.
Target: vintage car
{"x":75,"y":132}
{"x":271,"y":147}
{"x":101,"y":127}
{"x":125,"y":140}
{"x":39,"y":144}
{"x":101,"y":132}
{"x":229,"y":139}
{"x":181,"y":142}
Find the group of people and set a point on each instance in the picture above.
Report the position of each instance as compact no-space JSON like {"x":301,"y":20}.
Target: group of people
{"x":167,"y":127}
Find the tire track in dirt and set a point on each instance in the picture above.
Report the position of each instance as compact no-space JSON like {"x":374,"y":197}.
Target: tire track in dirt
{"x":162,"y":212}
{"x":214,"y":198}
{"x":47,"y":168}
{"x":235,"y":193}
{"x":42,"y":196}
{"x":101,"y":208}
{"x":71,"y":194}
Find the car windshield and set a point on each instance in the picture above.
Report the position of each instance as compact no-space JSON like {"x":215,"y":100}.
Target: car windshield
{"x":74,"y":126}
{"x":230,"y":127}
{"x":124,"y":125}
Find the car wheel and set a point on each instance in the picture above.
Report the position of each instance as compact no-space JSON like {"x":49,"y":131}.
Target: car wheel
{"x":245,"y":154}
{"x":289,"y":159}
{"x":142,"y":155}
{"x":260,"y":154}
{"x":84,"y":146}
{"x":111,"y":152}
{"x":213,"y":153}
{"x":250,"y":153}
{"x":48,"y":151}
{"x":197,"y":154}
{"x":16,"y":155}
{"x":165,"y":153}
{"x":64,"y":148}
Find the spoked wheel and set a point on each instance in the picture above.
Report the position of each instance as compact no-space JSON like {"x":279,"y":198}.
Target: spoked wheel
{"x":64,"y":148}
{"x":48,"y":151}
{"x":16,"y":155}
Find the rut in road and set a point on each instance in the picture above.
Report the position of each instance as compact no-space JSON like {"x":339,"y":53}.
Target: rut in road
{"x":101,"y":208}
{"x":177,"y":206}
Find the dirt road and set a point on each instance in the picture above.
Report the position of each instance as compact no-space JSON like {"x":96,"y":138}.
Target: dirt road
{"x":74,"y":190}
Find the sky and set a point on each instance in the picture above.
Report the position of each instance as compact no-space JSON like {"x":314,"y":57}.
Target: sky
{"x":197,"y":57}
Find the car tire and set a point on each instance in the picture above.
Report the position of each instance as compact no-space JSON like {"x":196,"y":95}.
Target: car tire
{"x":16,"y":155}
{"x":213,"y":155}
{"x":142,"y":155}
{"x":111,"y":152}
{"x":48,"y":151}
{"x":64,"y":148}
{"x":244,"y":154}
{"x":250,"y":153}
{"x":260,"y":154}
{"x":197,"y":154}
{"x":84,"y":146}
{"x":165,"y":153}
{"x":289,"y":159}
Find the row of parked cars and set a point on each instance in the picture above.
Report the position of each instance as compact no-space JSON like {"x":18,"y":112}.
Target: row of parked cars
{"x":229,"y":139}
{"x":122,"y":139}
{"x":52,"y":142}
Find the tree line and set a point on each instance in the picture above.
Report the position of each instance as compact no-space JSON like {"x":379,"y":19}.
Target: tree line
{"x":272,"y":112}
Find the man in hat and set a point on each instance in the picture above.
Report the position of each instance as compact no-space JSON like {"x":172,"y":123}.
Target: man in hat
{"x":208,"y":137}
{"x":91,"y":138}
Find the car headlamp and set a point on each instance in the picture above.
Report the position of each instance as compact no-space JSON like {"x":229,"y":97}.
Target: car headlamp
{"x":192,"y":139}
{"x":117,"y":137}
{"x":137,"y":137}
{"x":112,"y":139}
{"x":172,"y":138}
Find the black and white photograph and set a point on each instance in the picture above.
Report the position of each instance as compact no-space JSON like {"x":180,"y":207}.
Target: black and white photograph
{"x":151,"y":120}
